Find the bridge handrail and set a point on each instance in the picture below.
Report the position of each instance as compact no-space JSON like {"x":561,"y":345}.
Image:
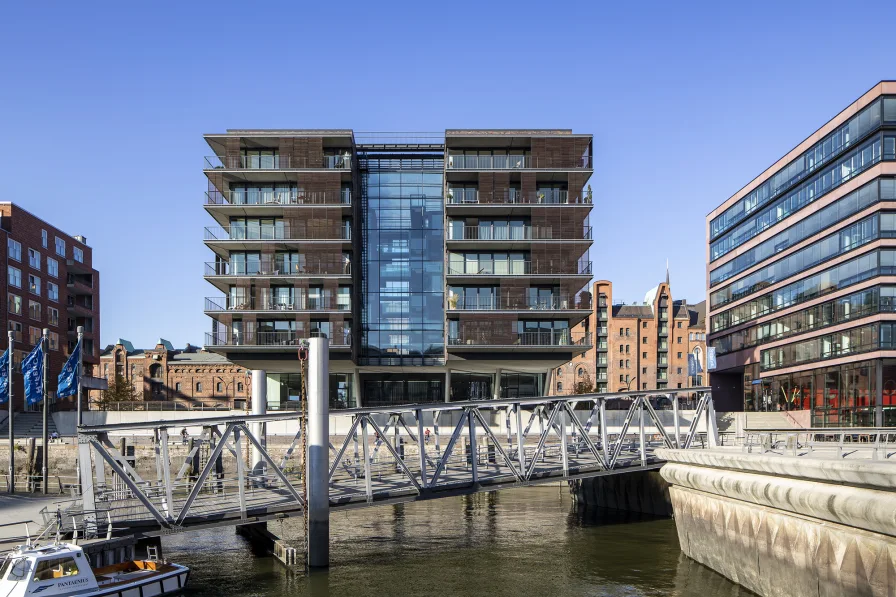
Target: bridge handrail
{"x":441,"y":406}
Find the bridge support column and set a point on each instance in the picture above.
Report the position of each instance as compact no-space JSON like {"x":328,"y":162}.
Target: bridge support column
{"x":317,"y":458}
{"x":259,"y":407}
{"x":496,"y":385}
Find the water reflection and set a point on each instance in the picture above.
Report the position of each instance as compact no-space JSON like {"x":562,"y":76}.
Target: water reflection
{"x":531,"y":541}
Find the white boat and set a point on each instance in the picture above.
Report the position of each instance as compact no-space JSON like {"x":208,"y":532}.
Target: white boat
{"x":62,"y":569}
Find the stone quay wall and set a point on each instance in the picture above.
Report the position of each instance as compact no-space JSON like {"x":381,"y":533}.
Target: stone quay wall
{"x":787,"y":526}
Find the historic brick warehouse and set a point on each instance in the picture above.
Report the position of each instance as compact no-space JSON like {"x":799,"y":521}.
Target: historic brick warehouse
{"x":191,"y":375}
{"x":50,"y":283}
{"x":639,"y":346}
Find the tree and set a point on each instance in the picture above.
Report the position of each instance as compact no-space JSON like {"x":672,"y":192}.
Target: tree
{"x":584,"y":385}
{"x":120,"y":390}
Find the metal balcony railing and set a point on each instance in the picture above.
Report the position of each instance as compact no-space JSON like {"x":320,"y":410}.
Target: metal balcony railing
{"x":338,"y":336}
{"x":518,"y":268}
{"x":516,"y":162}
{"x":274,"y":267}
{"x":516,"y":233}
{"x":539,"y":338}
{"x":510,"y":303}
{"x":274,"y":197}
{"x":471,"y":196}
{"x":276,"y":162}
{"x":276,"y":232}
{"x":273,"y":303}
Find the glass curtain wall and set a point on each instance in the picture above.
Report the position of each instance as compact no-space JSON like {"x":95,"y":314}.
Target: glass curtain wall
{"x":402,"y":258}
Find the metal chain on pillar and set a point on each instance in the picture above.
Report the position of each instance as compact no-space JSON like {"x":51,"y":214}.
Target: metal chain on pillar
{"x":304,"y":428}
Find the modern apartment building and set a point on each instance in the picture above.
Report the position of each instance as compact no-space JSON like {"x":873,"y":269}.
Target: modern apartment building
{"x":440,"y":266}
{"x":50,"y":283}
{"x":800,"y":275}
{"x":190,"y":376}
{"x":638,"y":346}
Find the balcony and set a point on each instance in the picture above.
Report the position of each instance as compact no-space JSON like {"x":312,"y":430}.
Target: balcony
{"x":76,"y":286}
{"x":276,"y":162}
{"x":546,"y":267}
{"x":281,"y":268}
{"x":269,"y":303}
{"x":509,"y":234}
{"x":79,"y":308}
{"x":339,"y":336}
{"x":603,"y":331}
{"x":551,"y":340}
{"x":505,"y":303}
{"x":517,"y":162}
{"x":468,"y":196}
{"x":254,"y":234}
{"x":663,"y":330}
{"x":274,"y":197}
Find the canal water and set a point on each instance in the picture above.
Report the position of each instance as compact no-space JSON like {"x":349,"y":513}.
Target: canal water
{"x":517,"y":542}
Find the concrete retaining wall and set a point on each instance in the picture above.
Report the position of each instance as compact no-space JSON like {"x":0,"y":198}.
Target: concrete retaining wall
{"x":645,"y":492}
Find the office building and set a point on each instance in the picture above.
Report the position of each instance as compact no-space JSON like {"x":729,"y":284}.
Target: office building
{"x":50,"y":283}
{"x":440,"y":266}
{"x":800,"y":276}
{"x":638,"y":346}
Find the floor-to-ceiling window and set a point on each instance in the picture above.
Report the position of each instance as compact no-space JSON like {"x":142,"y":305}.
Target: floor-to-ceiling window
{"x":402,"y":259}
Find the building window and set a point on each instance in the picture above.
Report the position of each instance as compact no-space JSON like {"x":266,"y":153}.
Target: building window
{"x":644,"y":386}
{"x":678,"y":340}
{"x":15,"y":277}
{"x":643,"y":355}
{"x":644,"y":325}
{"x":627,"y":351}
{"x":679,"y":385}
{"x":627,"y":363}
{"x":644,"y":340}
{"x":219,"y":388}
{"x":581,"y":372}
{"x":239,"y":387}
{"x":155,"y":371}
{"x":52,"y":291}
{"x":15,"y":304}
{"x":628,"y":331}
{"x":60,"y":247}
{"x":662,"y":385}
{"x":34,"y":284}
{"x":53,"y":339}
{"x":34,"y":258}
{"x":621,"y":379}
{"x":79,"y":257}
{"x":198,"y":386}
{"x":177,"y":387}
{"x":52,"y":267}
{"x":621,"y":349}
{"x":43,"y":238}
{"x":34,"y":310}
{"x":679,"y":325}
{"x":15,"y":249}
{"x":52,"y":316}
{"x":679,"y":355}
{"x":620,"y":331}
{"x":678,"y":371}
{"x":559,"y":386}
{"x":620,"y":362}
{"x":33,"y":335}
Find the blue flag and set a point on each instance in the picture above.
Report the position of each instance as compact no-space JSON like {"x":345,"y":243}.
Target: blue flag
{"x":4,"y":377}
{"x":33,"y":372}
{"x":70,"y":376}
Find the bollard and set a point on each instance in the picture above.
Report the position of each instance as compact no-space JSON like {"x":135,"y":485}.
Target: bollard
{"x":317,"y":459}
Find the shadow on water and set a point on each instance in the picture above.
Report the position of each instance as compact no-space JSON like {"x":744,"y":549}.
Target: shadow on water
{"x":530,"y":541}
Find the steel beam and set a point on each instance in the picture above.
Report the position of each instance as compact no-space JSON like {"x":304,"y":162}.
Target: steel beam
{"x":137,"y":491}
{"x":203,"y":475}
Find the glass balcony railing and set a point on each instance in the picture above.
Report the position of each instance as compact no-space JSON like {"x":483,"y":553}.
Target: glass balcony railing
{"x":459,"y":303}
{"x":278,"y":232}
{"x":516,"y":233}
{"x":517,"y":162}
{"x":274,"y":197}
{"x":538,"y":338}
{"x":471,"y":196}
{"x":277,"y":162}
{"x":519,"y":268}
{"x":277,"y":267}
{"x":338,"y":335}
{"x":274,"y":303}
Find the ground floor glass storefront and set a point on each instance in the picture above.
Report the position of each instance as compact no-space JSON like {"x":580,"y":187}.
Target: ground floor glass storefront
{"x":284,"y":391}
{"x":837,"y":396}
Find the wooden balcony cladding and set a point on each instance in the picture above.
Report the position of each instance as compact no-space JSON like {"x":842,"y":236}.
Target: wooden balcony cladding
{"x":559,"y":152}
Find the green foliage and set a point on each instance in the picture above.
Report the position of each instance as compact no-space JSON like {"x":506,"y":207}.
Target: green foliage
{"x":120,"y":390}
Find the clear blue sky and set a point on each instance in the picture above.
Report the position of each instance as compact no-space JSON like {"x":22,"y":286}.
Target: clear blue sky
{"x":104,"y":105}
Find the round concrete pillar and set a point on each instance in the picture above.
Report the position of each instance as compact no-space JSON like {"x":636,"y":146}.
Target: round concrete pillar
{"x":259,"y":407}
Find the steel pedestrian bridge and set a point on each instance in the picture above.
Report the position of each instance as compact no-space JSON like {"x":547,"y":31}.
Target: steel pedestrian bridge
{"x":383,"y":456}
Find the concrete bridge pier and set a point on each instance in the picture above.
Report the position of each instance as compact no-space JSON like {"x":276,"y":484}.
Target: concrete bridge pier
{"x":259,"y":407}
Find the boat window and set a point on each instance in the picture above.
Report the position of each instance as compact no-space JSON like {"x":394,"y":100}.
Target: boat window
{"x":4,"y":567}
{"x":19,"y":568}
{"x":55,"y":568}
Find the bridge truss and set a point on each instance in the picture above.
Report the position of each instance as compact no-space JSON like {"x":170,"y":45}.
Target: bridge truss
{"x":384,"y":455}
